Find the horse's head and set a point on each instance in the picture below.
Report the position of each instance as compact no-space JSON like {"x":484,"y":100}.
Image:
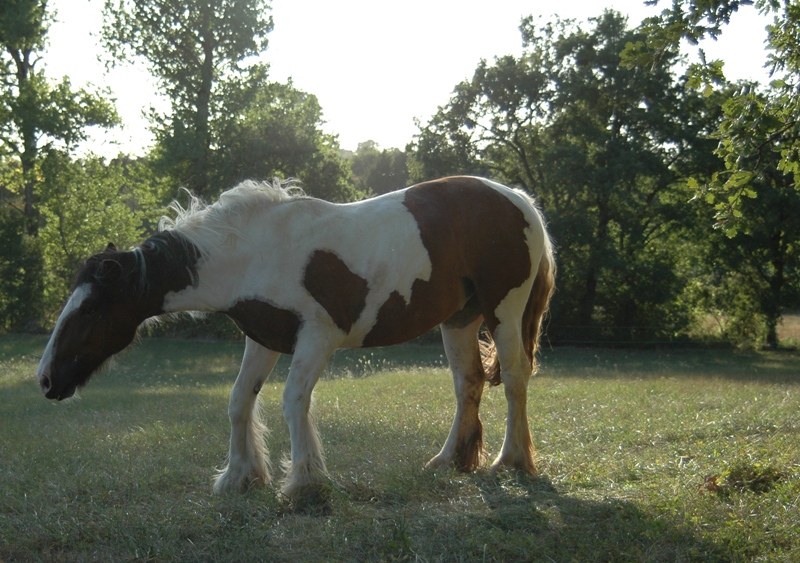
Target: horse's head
{"x":99,"y":320}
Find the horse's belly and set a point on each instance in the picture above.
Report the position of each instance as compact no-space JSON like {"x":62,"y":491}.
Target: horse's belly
{"x":272,"y":327}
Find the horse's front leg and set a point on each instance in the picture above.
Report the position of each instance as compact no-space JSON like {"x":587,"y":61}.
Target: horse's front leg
{"x":248,"y":462}
{"x":305,"y":471}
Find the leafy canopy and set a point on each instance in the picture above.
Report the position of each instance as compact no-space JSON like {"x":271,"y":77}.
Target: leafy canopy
{"x":758,"y":121}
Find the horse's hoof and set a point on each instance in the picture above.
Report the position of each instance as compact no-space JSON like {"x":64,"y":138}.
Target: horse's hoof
{"x":311,"y":498}
{"x":523,"y":466}
{"x":438,"y":462}
{"x":238,"y":482}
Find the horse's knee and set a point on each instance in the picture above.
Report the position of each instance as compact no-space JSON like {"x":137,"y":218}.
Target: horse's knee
{"x":295,"y":407}
{"x":297,"y":399}
{"x":238,"y":412}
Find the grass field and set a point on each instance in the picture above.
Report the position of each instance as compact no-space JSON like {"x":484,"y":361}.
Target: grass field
{"x":644,"y":456}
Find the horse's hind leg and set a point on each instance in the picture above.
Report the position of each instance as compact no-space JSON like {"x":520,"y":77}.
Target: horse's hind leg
{"x":515,"y":371}
{"x":464,"y":446}
{"x":248,"y":464}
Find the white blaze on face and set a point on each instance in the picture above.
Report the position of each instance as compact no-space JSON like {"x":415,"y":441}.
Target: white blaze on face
{"x":73,"y":304}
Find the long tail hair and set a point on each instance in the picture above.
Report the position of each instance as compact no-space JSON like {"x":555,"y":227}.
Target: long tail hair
{"x":537,"y":306}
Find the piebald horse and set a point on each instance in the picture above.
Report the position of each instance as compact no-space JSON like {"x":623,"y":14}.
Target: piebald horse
{"x":304,"y":277}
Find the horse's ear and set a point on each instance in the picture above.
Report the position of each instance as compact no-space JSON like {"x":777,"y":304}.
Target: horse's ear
{"x":111,"y":247}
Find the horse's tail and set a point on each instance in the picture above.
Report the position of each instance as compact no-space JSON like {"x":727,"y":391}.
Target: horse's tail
{"x":538,"y":302}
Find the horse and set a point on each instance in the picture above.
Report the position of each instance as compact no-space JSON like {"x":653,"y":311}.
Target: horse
{"x":303,"y":276}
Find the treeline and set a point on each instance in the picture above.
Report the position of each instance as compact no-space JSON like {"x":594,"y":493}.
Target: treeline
{"x":227,"y":121}
{"x":633,"y":159}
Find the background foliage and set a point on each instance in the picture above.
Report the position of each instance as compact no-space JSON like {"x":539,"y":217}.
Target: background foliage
{"x":633,"y":156}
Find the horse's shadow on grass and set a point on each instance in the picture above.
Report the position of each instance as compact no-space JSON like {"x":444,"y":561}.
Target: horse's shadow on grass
{"x":519,"y":517}
{"x":557,"y":526}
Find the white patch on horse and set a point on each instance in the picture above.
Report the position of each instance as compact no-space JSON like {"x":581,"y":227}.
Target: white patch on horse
{"x":73,"y":304}
{"x":268,"y":244}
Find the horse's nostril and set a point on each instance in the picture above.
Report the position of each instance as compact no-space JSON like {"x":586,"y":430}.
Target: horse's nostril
{"x":45,"y":383}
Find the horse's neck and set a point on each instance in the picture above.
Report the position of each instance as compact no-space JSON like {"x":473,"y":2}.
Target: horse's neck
{"x":230,"y":250}
{"x":171,"y":265}
{"x":214,"y":285}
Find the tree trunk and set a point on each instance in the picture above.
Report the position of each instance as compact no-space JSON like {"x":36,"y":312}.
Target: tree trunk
{"x":589,"y":298}
{"x":25,"y":120}
{"x":596,"y":258}
{"x":772,"y":306}
{"x":202,"y":163}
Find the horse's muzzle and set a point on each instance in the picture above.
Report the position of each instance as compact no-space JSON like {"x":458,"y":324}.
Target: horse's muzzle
{"x":51,"y":393}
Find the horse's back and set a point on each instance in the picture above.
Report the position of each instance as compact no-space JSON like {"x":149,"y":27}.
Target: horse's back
{"x":387,"y":269}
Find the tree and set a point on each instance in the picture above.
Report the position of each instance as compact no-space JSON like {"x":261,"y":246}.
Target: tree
{"x":36,"y":113}
{"x":378,"y":171}
{"x":21,"y":274}
{"x":600,"y":147}
{"x":759,"y":147}
{"x":279,"y":133}
{"x":201,"y":52}
{"x":777,"y":122}
{"x":500,"y":110}
{"x":752,"y":268}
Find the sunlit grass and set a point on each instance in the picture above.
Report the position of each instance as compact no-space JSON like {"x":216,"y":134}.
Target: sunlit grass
{"x":644,"y":456}
{"x":789,"y":330}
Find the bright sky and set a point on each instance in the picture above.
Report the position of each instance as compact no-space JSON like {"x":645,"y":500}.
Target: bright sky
{"x":374,"y":66}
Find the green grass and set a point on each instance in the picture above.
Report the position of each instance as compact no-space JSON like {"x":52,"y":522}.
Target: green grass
{"x":644,"y":456}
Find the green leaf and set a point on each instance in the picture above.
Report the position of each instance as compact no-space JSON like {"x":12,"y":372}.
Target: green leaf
{"x":738,"y":179}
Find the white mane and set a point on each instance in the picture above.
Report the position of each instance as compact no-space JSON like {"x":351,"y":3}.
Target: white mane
{"x":208,"y":226}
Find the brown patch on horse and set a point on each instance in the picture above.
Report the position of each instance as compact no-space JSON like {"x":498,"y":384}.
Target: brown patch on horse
{"x":270,"y":326}
{"x":340,"y":291}
{"x":474,"y":236}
